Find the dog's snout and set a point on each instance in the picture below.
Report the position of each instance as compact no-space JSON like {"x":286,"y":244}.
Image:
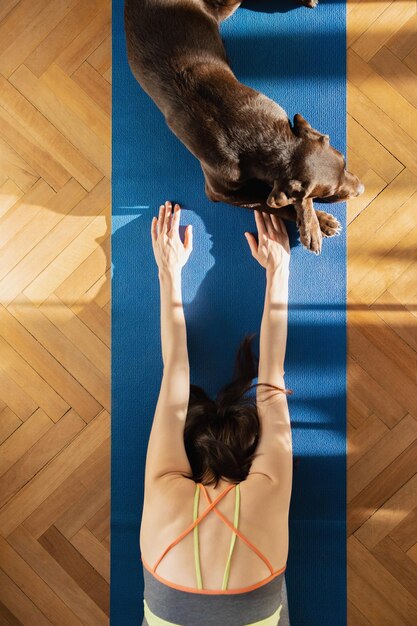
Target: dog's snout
{"x":360,"y":189}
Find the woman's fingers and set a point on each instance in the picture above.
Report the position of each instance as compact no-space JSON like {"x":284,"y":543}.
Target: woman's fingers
{"x":188,"y":238}
{"x":167,"y":217}
{"x":260,"y":224}
{"x":175,"y":222}
{"x":278,"y":224}
{"x":252,"y":243}
{"x":268,"y":224}
{"x":154,"y":230}
{"x":161,"y":217}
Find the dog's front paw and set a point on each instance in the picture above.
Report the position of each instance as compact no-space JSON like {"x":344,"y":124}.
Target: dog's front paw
{"x":329,"y":225}
{"x":311,"y":4}
{"x":311,"y":237}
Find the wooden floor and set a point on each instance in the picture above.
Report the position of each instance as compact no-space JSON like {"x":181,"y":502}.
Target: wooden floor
{"x":55,"y":309}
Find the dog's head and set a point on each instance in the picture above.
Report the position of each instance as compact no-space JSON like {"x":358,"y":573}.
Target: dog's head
{"x":317,"y":171}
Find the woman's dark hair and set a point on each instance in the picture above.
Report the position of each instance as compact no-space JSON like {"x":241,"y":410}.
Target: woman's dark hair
{"x":221,"y":435}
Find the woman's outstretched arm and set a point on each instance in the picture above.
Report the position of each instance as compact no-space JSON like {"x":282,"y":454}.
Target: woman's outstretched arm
{"x":274,"y":449}
{"x":166,"y":452}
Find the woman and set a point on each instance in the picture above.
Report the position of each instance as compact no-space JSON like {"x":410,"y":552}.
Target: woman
{"x":234,"y":453}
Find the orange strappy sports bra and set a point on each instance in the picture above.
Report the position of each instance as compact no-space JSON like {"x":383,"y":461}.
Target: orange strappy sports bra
{"x":236,"y":532}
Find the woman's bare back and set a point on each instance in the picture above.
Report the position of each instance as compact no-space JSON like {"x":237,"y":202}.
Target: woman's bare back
{"x":168,"y":511}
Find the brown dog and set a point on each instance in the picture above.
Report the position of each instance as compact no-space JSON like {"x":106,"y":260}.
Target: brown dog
{"x":250,"y":153}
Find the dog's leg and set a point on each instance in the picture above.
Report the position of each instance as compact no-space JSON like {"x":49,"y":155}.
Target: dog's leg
{"x":253,"y":196}
{"x":309,"y":225}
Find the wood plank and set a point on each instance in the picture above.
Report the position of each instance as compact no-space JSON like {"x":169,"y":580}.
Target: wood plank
{"x":15,"y":397}
{"x":94,"y":85}
{"x":402,"y":79}
{"x":380,"y":159}
{"x":19,"y":604}
{"x":99,"y":523}
{"x":27,"y":39}
{"x":392,"y":346}
{"x":379,"y":367}
{"x":374,"y":184}
{"x":364,"y":439}
{"x":19,"y":17}
{"x":372,"y":603}
{"x":87,"y":41}
{"x":53,"y":474}
{"x":93,"y":551}
{"x":77,"y":333}
{"x":86,"y":274}
{"x":23,"y":176}
{"x":21,"y":213}
{"x":387,"y":206}
{"x":16,"y":368}
{"x":404,"y":39}
{"x":9,"y":195}
{"x":379,"y":32}
{"x":74,"y":518}
{"x":55,"y":242}
{"x":77,"y":101}
{"x":361,"y":16}
{"x":41,"y":130}
{"x":381,"y":488}
{"x":100,"y":59}
{"x":23,"y":439}
{"x":36,"y":224}
{"x":395,"y":239}
{"x":34,"y":587}
{"x":9,"y":422}
{"x":69,"y":392}
{"x":65,"y":352}
{"x":397,"y":563}
{"x":38,"y":455}
{"x":97,"y":320}
{"x":76,"y":566}
{"x":71,"y":127}
{"x":387,"y":518}
{"x":401,"y":321}
{"x":382,"y":128}
{"x":380,"y":88}
{"x":384,"y":452}
{"x":68,"y":260}
{"x":62,"y":35}
{"x":53,"y":506}
{"x":397,"y":596}
{"x":57,"y":578}
{"x":357,"y":69}
{"x":40,"y":159}
{"x":375,"y":396}
{"x":405,"y":532}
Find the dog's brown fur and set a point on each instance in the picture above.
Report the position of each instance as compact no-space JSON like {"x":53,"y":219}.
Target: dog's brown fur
{"x":250,"y":153}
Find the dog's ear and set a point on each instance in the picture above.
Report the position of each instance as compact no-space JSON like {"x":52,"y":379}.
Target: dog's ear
{"x":303,"y":129}
{"x":294,"y":191}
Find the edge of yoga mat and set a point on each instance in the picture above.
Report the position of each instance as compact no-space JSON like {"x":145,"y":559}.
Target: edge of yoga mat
{"x":297,"y":57}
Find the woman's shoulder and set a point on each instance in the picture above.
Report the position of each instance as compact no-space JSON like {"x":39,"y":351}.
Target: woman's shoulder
{"x":172,"y":492}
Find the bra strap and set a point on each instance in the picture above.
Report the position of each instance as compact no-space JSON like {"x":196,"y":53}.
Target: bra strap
{"x":238,"y":533}
{"x":196,"y":540}
{"x":190,"y":528}
{"x":233,"y":539}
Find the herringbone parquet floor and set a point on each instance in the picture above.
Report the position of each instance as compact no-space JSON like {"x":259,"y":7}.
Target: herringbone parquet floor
{"x":55,"y":309}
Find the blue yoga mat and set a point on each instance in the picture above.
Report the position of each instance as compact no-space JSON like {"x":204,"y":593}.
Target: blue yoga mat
{"x":297,"y":57}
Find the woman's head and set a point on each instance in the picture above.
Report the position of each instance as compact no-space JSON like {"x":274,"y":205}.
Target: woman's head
{"x":221,"y":435}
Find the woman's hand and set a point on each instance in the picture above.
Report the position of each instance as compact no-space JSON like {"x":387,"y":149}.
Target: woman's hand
{"x":170,"y":253}
{"x":273,"y":248}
